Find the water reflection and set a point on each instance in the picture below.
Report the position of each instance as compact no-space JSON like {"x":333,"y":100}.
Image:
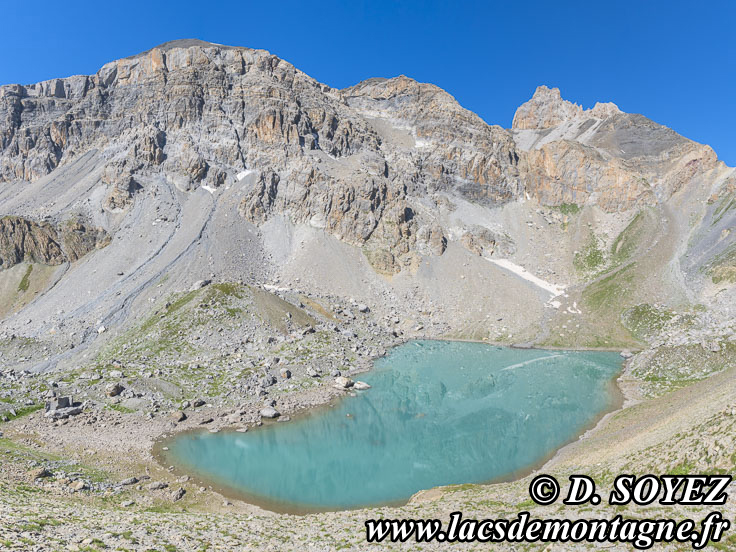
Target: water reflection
{"x":438,"y":413}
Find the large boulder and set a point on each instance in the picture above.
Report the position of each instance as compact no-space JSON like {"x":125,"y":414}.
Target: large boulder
{"x":269,"y":412}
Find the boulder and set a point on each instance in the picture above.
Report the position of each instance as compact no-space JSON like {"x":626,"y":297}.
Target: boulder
{"x":285,"y":373}
{"x":129,"y":481}
{"x":157,"y":485}
{"x":178,"y":494}
{"x":78,"y":485}
{"x":57,"y":403}
{"x":199,"y":284}
{"x":361,"y":385}
{"x":341,"y":382}
{"x":114,"y":389}
{"x":269,"y":412}
{"x":39,"y":473}
{"x":626,"y":354}
{"x":63,"y":413}
{"x":178,"y":416}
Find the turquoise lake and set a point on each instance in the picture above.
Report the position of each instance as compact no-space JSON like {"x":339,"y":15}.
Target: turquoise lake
{"x":439,"y":413}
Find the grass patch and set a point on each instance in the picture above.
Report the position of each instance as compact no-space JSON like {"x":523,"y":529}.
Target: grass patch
{"x":120,"y":408}
{"x":591,"y":258}
{"x":723,"y":207}
{"x":23,"y":411}
{"x":626,"y":243}
{"x":646,"y":320}
{"x":25,"y":282}
{"x":608,"y":292}
{"x":568,"y":208}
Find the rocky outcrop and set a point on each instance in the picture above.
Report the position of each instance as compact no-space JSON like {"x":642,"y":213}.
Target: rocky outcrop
{"x":546,"y":109}
{"x":23,"y":240}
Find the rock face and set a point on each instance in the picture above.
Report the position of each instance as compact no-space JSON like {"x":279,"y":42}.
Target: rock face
{"x":26,"y":240}
{"x":352,"y":161}
{"x":546,"y":109}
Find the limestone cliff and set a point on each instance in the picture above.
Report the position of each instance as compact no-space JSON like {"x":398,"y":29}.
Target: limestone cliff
{"x":357,"y":162}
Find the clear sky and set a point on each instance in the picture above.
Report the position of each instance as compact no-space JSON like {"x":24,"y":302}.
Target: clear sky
{"x":673,"y":61}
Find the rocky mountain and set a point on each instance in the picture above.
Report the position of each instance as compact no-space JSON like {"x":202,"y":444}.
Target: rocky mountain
{"x":197,"y":160}
{"x":202,"y":236}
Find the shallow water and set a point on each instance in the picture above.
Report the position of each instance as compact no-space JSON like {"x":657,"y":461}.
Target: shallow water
{"x":439,"y":413}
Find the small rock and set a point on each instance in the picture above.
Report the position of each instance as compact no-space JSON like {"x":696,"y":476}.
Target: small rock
{"x":158,"y":485}
{"x":101,"y":329}
{"x":178,"y":494}
{"x":197,"y":403}
{"x":363,"y":308}
{"x":285,"y":373}
{"x":207,"y":421}
{"x":626,"y":354}
{"x":129,"y":481}
{"x":127,"y":503}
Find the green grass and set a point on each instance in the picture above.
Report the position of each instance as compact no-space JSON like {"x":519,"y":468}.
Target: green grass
{"x":591,"y":258}
{"x":608,"y":292}
{"x":646,"y":320}
{"x":683,"y":468}
{"x":626,"y":243}
{"x":120,"y":408}
{"x":724,"y":206}
{"x":23,"y":411}
{"x":568,"y":208}
{"x":722,"y":268}
{"x":25,"y":282}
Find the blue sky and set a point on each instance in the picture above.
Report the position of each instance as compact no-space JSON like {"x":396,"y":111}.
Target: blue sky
{"x":673,"y":61}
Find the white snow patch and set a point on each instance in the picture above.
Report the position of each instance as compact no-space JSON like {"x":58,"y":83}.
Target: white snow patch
{"x":209,"y":188}
{"x":242,"y":174}
{"x":269,"y":287}
{"x":522,"y":272}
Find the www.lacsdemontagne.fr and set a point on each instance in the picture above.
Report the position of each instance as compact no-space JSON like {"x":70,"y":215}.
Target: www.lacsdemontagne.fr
{"x":640,"y":533}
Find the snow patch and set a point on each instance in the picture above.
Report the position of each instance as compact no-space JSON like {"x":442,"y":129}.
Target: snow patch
{"x":209,"y":188}
{"x":242,"y":174}
{"x":522,"y":272}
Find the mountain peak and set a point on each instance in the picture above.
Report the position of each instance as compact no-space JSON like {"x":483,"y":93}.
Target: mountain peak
{"x":547,"y":109}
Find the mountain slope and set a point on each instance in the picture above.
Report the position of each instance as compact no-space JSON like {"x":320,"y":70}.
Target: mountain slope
{"x":201,"y":160}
